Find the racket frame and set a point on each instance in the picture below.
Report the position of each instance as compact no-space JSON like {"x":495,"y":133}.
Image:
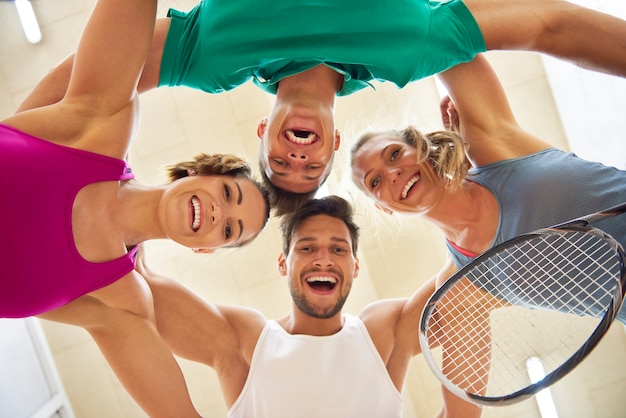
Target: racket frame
{"x":580,"y":225}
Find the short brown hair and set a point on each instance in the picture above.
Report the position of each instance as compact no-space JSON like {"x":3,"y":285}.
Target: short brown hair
{"x":334,"y":206}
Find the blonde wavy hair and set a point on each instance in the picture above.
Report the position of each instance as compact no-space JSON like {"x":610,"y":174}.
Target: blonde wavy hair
{"x":443,"y":150}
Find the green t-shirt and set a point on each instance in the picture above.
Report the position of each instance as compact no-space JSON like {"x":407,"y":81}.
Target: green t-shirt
{"x":221,"y":44}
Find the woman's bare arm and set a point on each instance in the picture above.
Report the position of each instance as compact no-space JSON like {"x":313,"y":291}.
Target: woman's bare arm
{"x":53,"y":86}
{"x":484,"y":115}
{"x":585,"y":37}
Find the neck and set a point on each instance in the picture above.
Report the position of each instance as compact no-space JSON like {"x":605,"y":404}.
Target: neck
{"x":296,"y":322}
{"x":463,"y":210}
{"x":136,"y":212}
{"x":320,"y":83}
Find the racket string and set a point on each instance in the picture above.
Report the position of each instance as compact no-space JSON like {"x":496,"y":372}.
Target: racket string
{"x":543,"y":298}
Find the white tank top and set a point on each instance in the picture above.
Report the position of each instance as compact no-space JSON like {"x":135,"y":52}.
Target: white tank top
{"x":303,"y":376}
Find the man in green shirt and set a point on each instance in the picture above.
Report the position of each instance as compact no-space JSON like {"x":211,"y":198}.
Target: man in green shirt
{"x":307,"y":53}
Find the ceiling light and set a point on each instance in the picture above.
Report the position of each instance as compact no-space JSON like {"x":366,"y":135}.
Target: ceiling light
{"x":547,"y":409}
{"x":29,"y":21}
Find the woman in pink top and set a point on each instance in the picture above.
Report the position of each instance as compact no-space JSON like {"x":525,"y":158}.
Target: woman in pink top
{"x":71,"y":208}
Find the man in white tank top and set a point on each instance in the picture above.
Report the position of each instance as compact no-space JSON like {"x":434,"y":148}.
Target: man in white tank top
{"x":315,"y":361}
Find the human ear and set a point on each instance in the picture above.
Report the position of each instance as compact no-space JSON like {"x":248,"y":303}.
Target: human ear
{"x":282,"y":265}
{"x":337,"y":139}
{"x":356,"y":270}
{"x":260,"y":129}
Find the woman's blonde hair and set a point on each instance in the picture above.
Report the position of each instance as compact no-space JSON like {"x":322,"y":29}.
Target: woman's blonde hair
{"x":443,"y":150}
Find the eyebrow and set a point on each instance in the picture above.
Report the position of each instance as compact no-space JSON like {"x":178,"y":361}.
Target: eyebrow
{"x":240,"y":198}
{"x":240,"y":229}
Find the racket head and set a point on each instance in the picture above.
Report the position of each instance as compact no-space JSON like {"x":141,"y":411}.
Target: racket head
{"x":496,"y":312}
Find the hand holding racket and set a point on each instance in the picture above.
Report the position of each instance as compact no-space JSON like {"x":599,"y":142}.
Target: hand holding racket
{"x":551,"y":294}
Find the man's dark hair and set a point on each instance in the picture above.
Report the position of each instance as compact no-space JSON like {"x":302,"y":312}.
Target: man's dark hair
{"x":334,"y":206}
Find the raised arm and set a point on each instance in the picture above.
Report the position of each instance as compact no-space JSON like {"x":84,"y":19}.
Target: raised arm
{"x":407,"y":345}
{"x":585,"y":37}
{"x":111,"y":54}
{"x":393,"y":325}
{"x":53,"y":86}
{"x":193,"y":327}
{"x":485,"y":118}
{"x":222,"y":337}
{"x":99,"y":111}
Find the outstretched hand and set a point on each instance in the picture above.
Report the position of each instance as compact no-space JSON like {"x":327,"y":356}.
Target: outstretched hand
{"x":449,"y":115}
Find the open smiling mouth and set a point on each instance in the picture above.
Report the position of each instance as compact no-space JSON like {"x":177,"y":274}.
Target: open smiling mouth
{"x":409,"y":185}
{"x":302,"y":137}
{"x":195,"y":203}
{"x":323,"y":283}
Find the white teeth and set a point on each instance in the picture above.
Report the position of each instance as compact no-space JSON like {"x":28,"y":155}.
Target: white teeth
{"x":321,"y":279}
{"x":408,"y":186}
{"x":196,"y":213}
{"x":291,"y":135}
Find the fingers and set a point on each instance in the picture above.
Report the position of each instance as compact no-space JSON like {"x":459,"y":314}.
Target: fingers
{"x":449,"y":114}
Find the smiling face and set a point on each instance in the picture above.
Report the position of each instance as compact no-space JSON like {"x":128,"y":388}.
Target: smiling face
{"x":386,"y":169}
{"x":212,"y":211}
{"x":320,"y":266}
{"x":298,"y":142}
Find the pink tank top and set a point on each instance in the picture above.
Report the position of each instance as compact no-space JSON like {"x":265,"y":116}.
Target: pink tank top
{"x":40,"y":267}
